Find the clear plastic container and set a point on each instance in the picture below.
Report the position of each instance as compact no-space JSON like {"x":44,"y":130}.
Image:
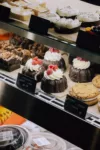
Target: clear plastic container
{"x":46,"y":141}
{"x":14,"y":138}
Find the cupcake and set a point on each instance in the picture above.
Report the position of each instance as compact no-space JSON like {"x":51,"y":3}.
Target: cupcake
{"x":67,"y":12}
{"x":53,"y":56}
{"x":67,"y":26}
{"x":85,"y":92}
{"x":34,"y":69}
{"x":89,"y":19}
{"x":96,"y":81}
{"x":54,"y":80}
{"x":81,"y":70}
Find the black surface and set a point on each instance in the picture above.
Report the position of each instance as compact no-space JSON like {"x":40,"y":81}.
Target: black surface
{"x":63,"y":124}
{"x":26,"y":83}
{"x":77,"y":107}
{"x":4,"y":13}
{"x":95,"y":2}
{"x":39,"y":25}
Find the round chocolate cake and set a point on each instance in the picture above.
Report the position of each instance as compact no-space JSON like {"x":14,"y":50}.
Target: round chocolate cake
{"x":34,"y":69}
{"x":81,"y":71}
{"x":53,"y":81}
{"x":53,"y":56}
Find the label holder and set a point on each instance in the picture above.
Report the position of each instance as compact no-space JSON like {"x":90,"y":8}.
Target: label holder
{"x":26,"y":83}
{"x":39,"y":25}
{"x":4,"y":13}
{"x":75,"y":106}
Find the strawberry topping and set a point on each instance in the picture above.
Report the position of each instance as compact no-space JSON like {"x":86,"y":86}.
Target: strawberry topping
{"x":49,"y":71}
{"x":81,"y":59}
{"x":54,"y":50}
{"x":37,"y":61}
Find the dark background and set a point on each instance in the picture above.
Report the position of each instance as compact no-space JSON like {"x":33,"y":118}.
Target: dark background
{"x":96,"y":2}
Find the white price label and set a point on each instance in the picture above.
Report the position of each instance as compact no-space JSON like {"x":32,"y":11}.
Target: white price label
{"x":41,"y":141}
{"x":6,"y":136}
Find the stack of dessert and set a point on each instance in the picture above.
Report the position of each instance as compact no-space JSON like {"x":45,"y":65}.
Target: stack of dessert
{"x":23,"y":9}
{"x":17,"y":51}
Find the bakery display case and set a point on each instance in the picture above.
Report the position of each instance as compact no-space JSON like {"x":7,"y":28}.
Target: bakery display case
{"x":48,"y":73}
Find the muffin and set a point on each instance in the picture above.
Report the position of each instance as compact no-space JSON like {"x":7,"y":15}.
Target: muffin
{"x":67,"y":26}
{"x":54,"y":80}
{"x":86,"y":92}
{"x":96,"y":81}
{"x":53,"y":56}
{"x":98,"y":98}
{"x":67,"y":12}
{"x":89,"y":19}
{"x":34,"y":69}
{"x":81,"y":70}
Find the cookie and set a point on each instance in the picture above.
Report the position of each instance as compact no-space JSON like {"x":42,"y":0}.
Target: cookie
{"x":98,"y":98}
{"x":86,"y":92}
{"x":96,"y":81}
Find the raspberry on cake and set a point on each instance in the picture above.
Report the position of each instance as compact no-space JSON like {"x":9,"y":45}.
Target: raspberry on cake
{"x":53,"y":56}
{"x":34,"y":68}
{"x":54,"y":80}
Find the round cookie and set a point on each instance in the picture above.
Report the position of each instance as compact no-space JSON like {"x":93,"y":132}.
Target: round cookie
{"x":98,"y":98}
{"x":86,"y":92}
{"x":96,"y":81}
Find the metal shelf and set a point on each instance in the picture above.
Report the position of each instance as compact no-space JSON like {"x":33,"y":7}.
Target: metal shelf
{"x":23,"y":30}
{"x":42,"y":110}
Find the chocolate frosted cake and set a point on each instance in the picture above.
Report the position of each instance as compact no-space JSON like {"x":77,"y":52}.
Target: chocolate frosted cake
{"x":53,"y":56}
{"x":81,"y":71}
{"x":9,"y":61}
{"x":53,"y":81}
{"x":34,"y":69}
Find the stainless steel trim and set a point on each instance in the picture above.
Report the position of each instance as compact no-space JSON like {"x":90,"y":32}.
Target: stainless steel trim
{"x":23,"y":30}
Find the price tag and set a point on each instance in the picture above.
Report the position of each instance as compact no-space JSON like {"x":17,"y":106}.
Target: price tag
{"x":6,"y":136}
{"x":26,"y":83}
{"x":41,"y":141}
{"x":39,"y":25}
{"x":75,"y":106}
{"x":4,"y":13}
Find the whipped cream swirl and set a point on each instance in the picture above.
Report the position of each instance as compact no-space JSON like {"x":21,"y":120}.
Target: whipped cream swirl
{"x":80,"y":64}
{"x":67,"y":11}
{"x":56,"y":75}
{"x":53,"y":17}
{"x":88,"y":17}
{"x":68,"y":23}
{"x":52,"y":56}
{"x":32,"y":67}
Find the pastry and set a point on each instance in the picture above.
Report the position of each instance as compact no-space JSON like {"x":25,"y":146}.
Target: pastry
{"x":81,"y":70}
{"x":67,"y":26}
{"x":52,"y":17}
{"x":67,"y":12}
{"x":9,"y":61}
{"x":53,"y":56}
{"x":21,"y":13}
{"x":89,"y":19}
{"x":86,"y":92}
{"x":96,"y":81}
{"x":54,"y":80}
{"x":23,"y":53}
{"x":34,"y":69}
{"x":98,"y":98}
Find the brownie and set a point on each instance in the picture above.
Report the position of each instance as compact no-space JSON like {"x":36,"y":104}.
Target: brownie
{"x":9,"y":61}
